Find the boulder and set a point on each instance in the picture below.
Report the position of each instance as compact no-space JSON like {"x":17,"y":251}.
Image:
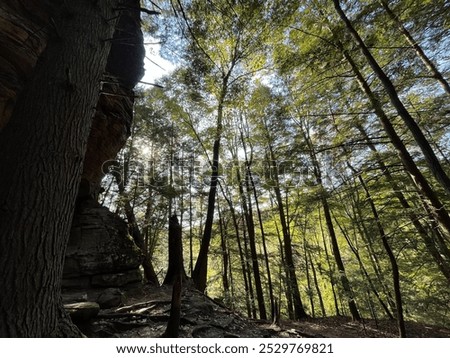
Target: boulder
{"x":111,"y":297}
{"x":99,"y":244}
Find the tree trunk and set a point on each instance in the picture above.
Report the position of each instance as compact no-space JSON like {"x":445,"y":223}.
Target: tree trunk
{"x":241,"y":253}
{"x":264,"y":242}
{"x":339,"y":263}
{"x":373,"y":256}
{"x":247,"y":256}
{"x":364,"y":271}
{"x":387,"y":247}
{"x":200,"y":273}
{"x":299,"y":311}
{"x":392,"y":260}
{"x":173,"y":325}
{"x":316,"y":284}
{"x":430,"y":157}
{"x":254,"y":256}
{"x":308,"y":280}
{"x":225,"y":258}
{"x":135,"y":232}
{"x":329,"y":222}
{"x":176,"y":262}
{"x":43,"y":149}
{"x":284,"y":267}
{"x":248,"y":215}
{"x":330,"y":268}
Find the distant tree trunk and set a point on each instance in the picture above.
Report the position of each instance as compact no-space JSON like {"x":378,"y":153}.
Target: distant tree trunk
{"x":191,"y":225}
{"x":176,"y":262}
{"x":199,"y":275}
{"x":247,"y":281}
{"x":308,"y":280}
{"x":299,"y":311}
{"x":284,"y":267}
{"x":373,"y":256}
{"x":364,"y":271}
{"x":330,"y":268}
{"x":430,"y":157}
{"x":248,"y":215}
{"x":248,"y":268}
{"x":276,"y":313}
{"x":316,"y":285}
{"x":42,"y":151}
{"x":329,"y":222}
{"x":387,"y":247}
{"x":264,"y":242}
{"x":255,"y":264}
{"x":135,"y":232}
{"x":241,"y":254}
{"x":225,"y":258}
{"x":417,"y":48}
{"x":232,"y":284}
{"x":392,"y":260}
{"x":339,"y":263}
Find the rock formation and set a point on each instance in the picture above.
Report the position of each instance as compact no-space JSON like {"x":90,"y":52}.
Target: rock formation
{"x":101,"y":254}
{"x":24,"y":30}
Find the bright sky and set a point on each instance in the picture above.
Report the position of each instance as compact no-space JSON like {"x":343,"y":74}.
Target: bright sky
{"x":155,"y":65}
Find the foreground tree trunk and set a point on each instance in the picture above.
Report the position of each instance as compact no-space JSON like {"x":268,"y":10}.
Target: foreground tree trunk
{"x":43,"y":149}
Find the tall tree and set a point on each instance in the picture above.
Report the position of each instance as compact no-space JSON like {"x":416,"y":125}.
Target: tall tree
{"x":43,"y":148}
{"x":291,"y":281}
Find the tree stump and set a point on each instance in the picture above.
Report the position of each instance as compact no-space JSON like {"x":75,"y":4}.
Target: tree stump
{"x":176,"y":267}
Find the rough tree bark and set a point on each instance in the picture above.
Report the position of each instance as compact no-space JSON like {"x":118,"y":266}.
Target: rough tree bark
{"x":43,"y":149}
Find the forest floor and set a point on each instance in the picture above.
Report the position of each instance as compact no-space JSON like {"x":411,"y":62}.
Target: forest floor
{"x":146,"y":313}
